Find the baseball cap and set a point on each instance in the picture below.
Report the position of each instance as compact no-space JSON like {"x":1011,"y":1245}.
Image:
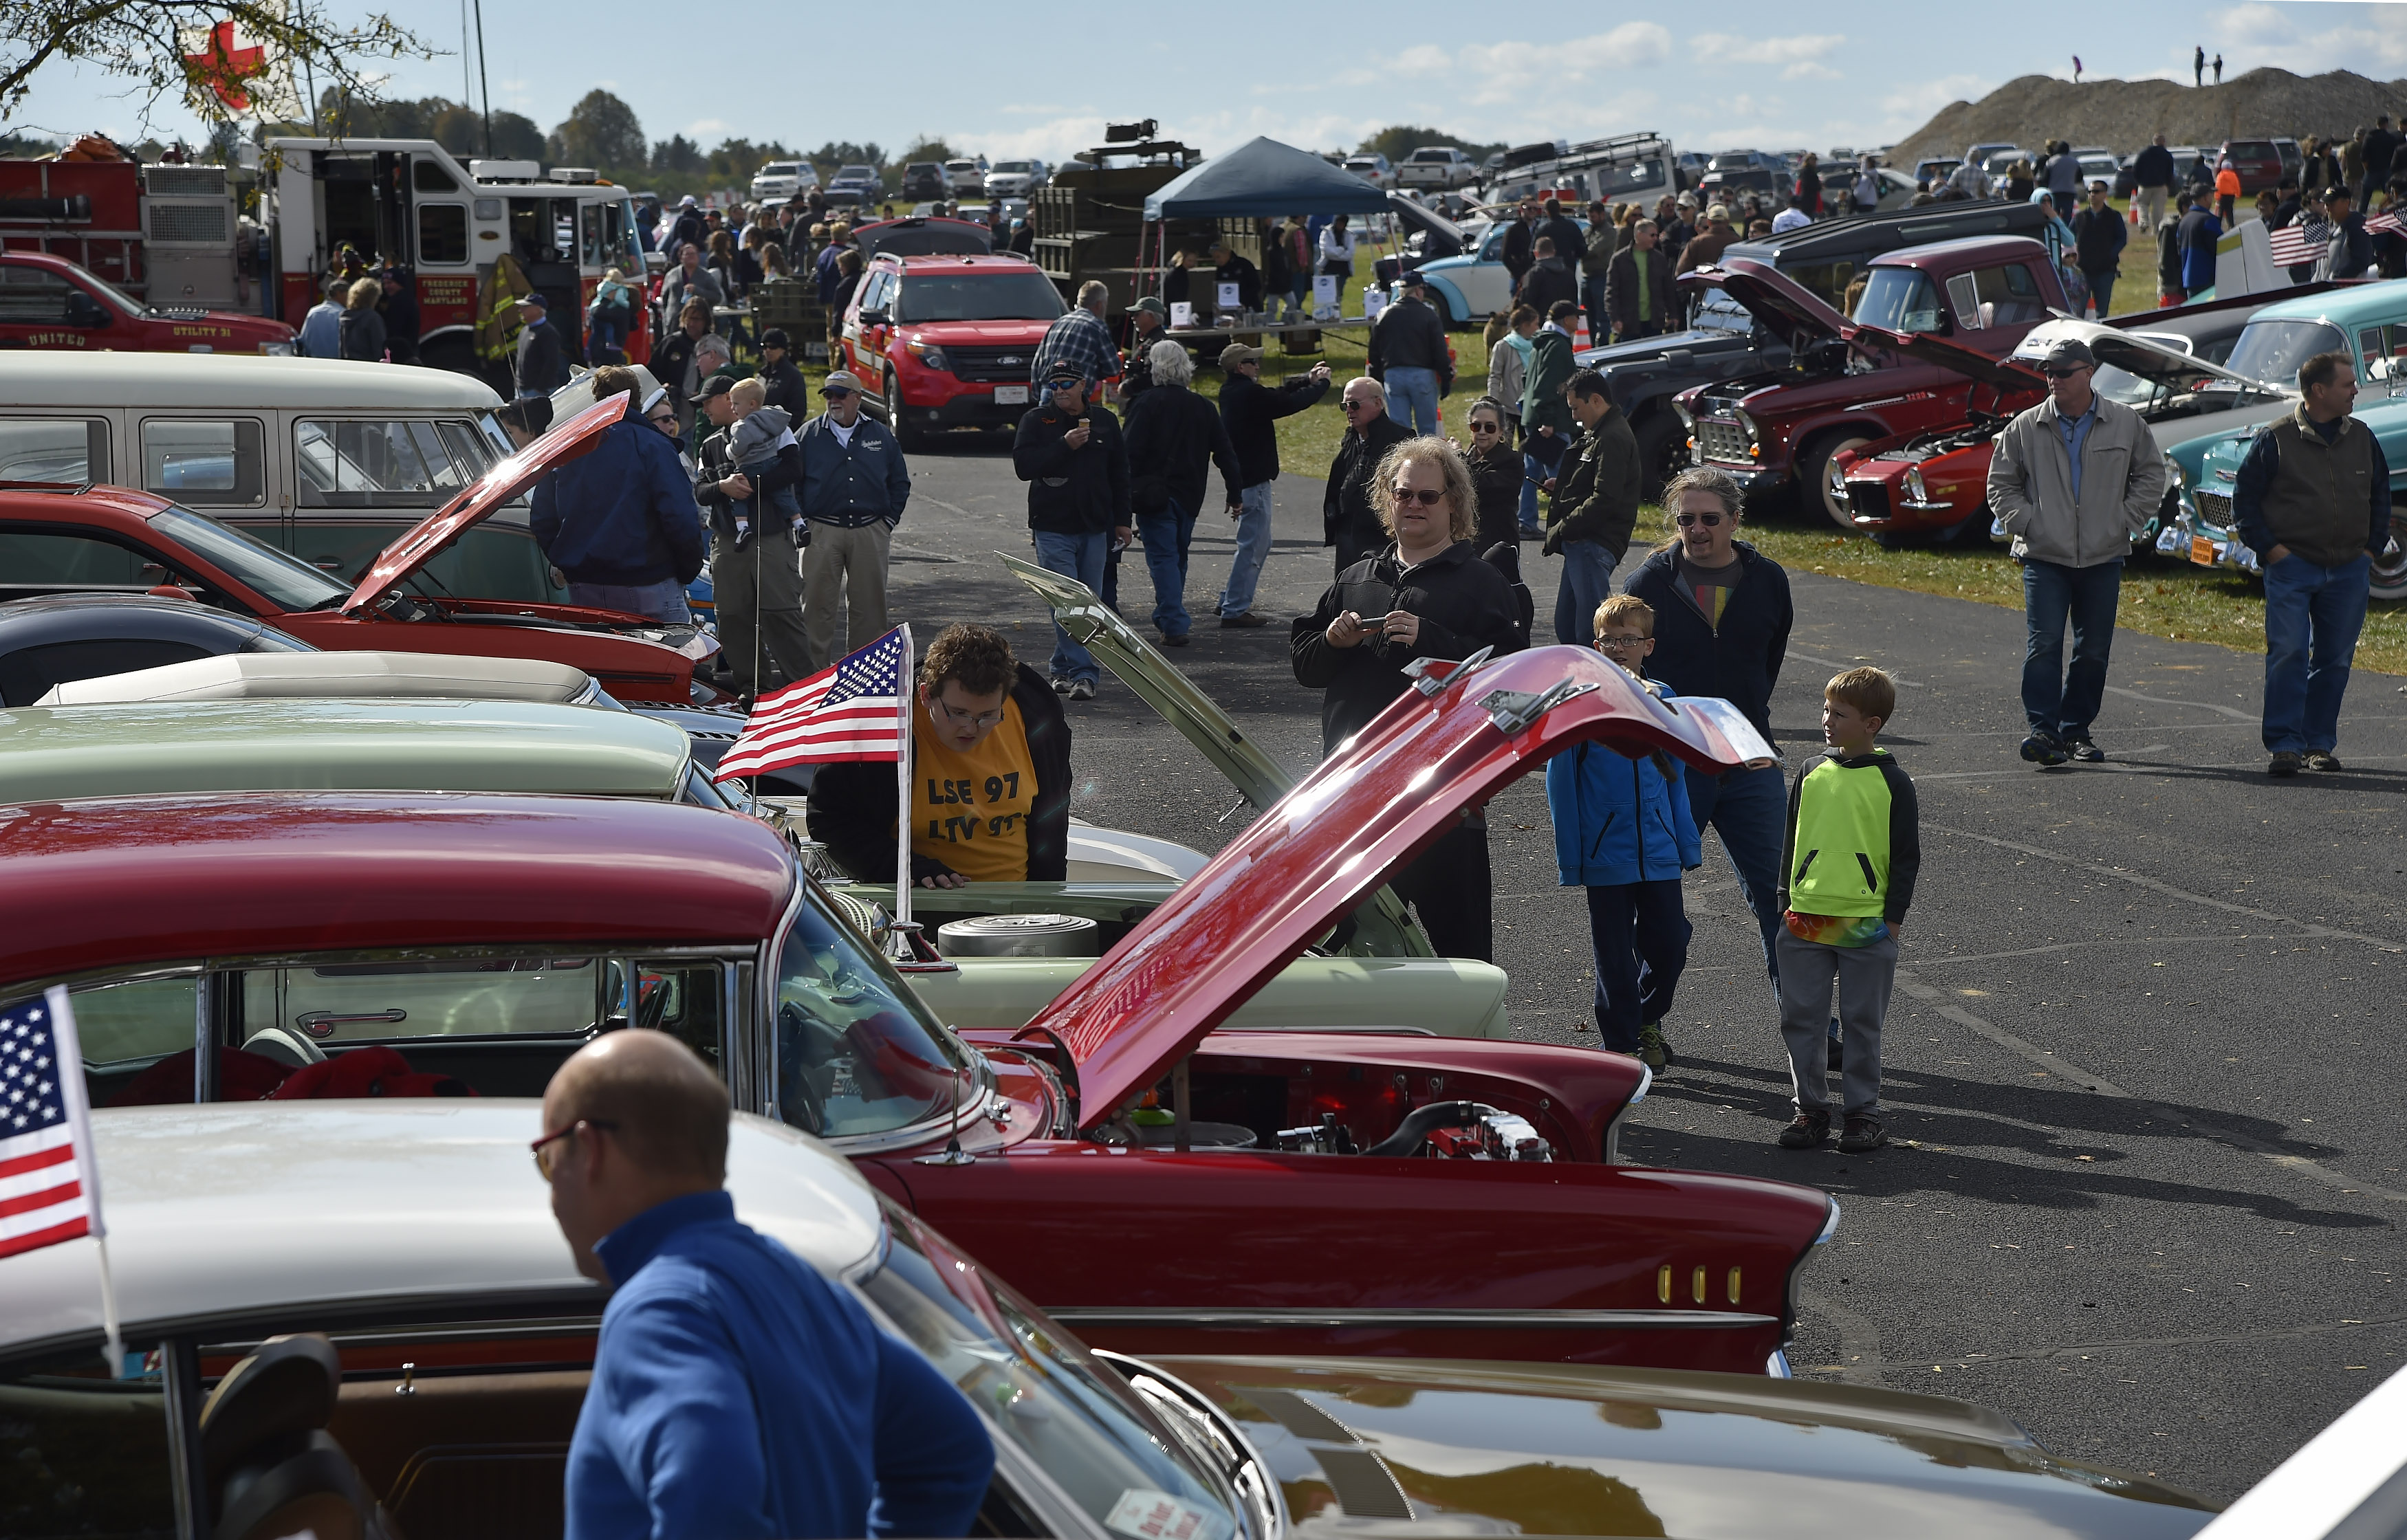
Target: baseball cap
{"x":1718,"y":211}
{"x":1413,"y":279}
{"x":1063,"y":375}
{"x":841,"y":379}
{"x":1152,"y":307}
{"x":2069,"y":353}
{"x":714,"y":388}
{"x":534,"y":302}
{"x":776,"y":337}
{"x":1238,"y":353}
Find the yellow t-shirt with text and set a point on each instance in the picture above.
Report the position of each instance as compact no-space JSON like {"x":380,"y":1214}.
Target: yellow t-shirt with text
{"x":970,"y":811}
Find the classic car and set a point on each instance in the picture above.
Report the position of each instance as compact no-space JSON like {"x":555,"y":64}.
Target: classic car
{"x":1834,"y":393}
{"x":46,"y":641}
{"x":49,"y":301}
{"x":479,"y":938}
{"x":1726,"y":341}
{"x":1933,"y":483}
{"x":112,"y":539}
{"x":431,"y":1360}
{"x":2208,"y":534}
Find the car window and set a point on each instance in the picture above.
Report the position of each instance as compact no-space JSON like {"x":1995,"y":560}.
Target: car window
{"x":857,"y":1050}
{"x":2384,"y":349}
{"x":29,"y":673}
{"x":980,"y":297}
{"x":33,"y":296}
{"x":2008,"y":296}
{"x":49,"y":560}
{"x":257,"y":566}
{"x":2270,"y":350}
{"x":1828,"y":281}
{"x":489,"y":560}
{"x":67,"y":450}
{"x":389,"y":463}
{"x":442,"y":233}
{"x":217,"y":464}
{"x":84,"y":1454}
{"x":1900,"y":299}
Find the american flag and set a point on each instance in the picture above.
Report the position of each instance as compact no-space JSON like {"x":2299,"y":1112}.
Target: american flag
{"x":2385,"y":223}
{"x":2292,"y":246}
{"x":50,"y":1182}
{"x":851,"y":711}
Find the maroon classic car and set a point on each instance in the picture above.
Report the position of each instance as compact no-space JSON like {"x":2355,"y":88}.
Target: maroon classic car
{"x":1841,"y":390}
{"x":1297,"y":1192}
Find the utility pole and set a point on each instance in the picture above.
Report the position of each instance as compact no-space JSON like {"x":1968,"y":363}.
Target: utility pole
{"x":484,"y":90}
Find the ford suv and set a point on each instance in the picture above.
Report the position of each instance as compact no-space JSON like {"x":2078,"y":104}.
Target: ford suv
{"x":948,"y":341}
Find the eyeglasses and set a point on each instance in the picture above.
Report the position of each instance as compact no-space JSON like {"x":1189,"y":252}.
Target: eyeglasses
{"x":660,"y":419}
{"x":545,"y":1156}
{"x":1708,"y":520}
{"x":1616,"y":643}
{"x":2065,"y":374}
{"x":1354,"y":407}
{"x":1428,"y":497}
{"x":1487,"y":427}
{"x":838,"y":393}
{"x":968,"y":719}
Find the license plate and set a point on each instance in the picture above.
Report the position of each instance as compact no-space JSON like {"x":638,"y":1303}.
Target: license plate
{"x":2203,"y":551}
{"x":1011,"y":395}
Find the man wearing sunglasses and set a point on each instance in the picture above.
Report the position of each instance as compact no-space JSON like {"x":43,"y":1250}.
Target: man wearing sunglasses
{"x":735,"y":1391}
{"x":2072,"y":480}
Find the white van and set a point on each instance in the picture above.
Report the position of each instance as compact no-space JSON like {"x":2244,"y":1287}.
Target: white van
{"x":330,"y":461}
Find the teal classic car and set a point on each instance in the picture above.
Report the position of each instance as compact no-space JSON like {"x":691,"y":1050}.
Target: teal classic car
{"x":2209,"y":530}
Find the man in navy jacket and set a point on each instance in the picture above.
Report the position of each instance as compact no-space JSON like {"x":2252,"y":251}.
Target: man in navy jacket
{"x":620,"y":524}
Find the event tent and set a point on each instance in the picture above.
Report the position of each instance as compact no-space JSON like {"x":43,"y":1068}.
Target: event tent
{"x":1261,"y":178}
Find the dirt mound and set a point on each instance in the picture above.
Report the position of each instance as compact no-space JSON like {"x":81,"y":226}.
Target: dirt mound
{"x":2123,"y":115}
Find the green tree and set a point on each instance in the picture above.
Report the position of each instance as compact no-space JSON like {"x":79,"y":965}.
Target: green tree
{"x":601,"y":131}
{"x":925,"y":148}
{"x":677,"y":153}
{"x":1400,"y":139}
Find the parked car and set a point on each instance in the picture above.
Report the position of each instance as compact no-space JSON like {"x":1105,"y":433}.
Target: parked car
{"x":964,"y":179}
{"x":856,"y":185}
{"x":45,"y":642}
{"x":2099,"y":164}
{"x":241,"y":1266}
{"x":924,"y":179}
{"x":2294,"y":160}
{"x":1995,"y":158}
{"x":1931,"y":171}
{"x":1437,"y":168}
{"x":1373,"y":169}
{"x":109,"y":539}
{"x":49,"y":301}
{"x":948,"y":342}
{"x":922,"y":235}
{"x":779,"y":180}
{"x":1015,"y":178}
{"x":1834,"y":394}
{"x":2258,"y":161}
{"x":584,"y":914}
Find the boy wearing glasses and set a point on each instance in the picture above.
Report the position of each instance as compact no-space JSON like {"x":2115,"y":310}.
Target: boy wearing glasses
{"x":1623,"y":831}
{"x":989,"y":771}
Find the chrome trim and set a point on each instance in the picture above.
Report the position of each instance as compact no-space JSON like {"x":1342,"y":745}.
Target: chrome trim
{"x":1611,"y":1154}
{"x":1776,"y":1366}
{"x":1273,"y":1497}
{"x":1516,"y":1320}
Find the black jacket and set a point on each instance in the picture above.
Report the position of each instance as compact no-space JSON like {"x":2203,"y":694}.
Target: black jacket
{"x":539,"y":365}
{"x":2352,"y":249}
{"x":1545,"y":284}
{"x":2380,"y":145}
{"x":1409,"y":336}
{"x":1072,"y":491}
{"x":1247,"y":277}
{"x":1518,"y":255}
{"x":1497,"y":474}
{"x":786,"y":389}
{"x":1739,"y":661}
{"x":1569,"y":244}
{"x":2153,"y":167}
{"x":853,"y":806}
{"x":1596,"y":497}
{"x":1251,"y":411}
{"x":668,"y":365}
{"x":1346,"y":514}
{"x":1175,"y":437}
{"x":1621,"y":285}
{"x":363,"y":335}
{"x":2099,"y":238}
{"x":718,"y":463}
{"x":1463,"y":603}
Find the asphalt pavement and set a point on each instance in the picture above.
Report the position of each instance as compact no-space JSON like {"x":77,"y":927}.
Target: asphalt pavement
{"x":2140,"y":1060}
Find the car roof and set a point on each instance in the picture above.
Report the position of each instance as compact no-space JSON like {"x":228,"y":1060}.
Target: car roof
{"x":242,"y":1209}
{"x":90,"y":505}
{"x":995,"y":262}
{"x":152,"y":747}
{"x":2345,"y":306}
{"x":135,"y":880}
{"x":1894,"y":230}
{"x":331,"y":675}
{"x":59,"y":617}
{"x":220,"y":381}
{"x":1965,"y":251}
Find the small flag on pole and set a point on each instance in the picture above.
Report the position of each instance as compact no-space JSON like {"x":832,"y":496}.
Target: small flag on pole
{"x":50,"y":1173}
{"x":851,"y":711}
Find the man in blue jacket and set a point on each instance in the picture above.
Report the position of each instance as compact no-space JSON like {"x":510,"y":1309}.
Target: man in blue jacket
{"x":621,"y":523}
{"x":854,"y":488}
{"x":1623,"y":831}
{"x":735,"y":1392}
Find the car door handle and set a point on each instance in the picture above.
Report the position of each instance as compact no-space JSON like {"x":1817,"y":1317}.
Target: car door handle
{"x":321,"y":1023}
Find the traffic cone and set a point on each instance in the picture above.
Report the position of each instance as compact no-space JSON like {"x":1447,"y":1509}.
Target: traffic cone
{"x":1579,"y":335}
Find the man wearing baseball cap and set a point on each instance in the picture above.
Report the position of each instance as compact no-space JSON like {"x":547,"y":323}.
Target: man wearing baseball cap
{"x":855,"y":484}
{"x":1251,"y":410}
{"x":1148,"y":320}
{"x":1070,"y":452}
{"x":538,"y":368}
{"x":2072,"y":480}
{"x":787,"y":390}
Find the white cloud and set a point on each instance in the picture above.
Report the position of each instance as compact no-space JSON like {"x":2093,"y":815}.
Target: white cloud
{"x":1810,"y":69}
{"x":2368,"y":39}
{"x":1511,"y":73}
{"x":1730,"y":48}
{"x":709,"y":131}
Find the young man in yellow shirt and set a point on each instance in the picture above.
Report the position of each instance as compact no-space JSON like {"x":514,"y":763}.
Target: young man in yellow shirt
{"x":990,"y":776}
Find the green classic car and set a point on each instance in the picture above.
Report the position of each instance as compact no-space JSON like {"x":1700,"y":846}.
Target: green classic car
{"x":2210,"y":532}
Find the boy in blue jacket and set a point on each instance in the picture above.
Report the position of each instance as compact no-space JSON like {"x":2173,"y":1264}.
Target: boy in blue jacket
{"x":1623,"y":831}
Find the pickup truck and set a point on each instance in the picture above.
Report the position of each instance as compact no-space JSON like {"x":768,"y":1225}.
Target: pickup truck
{"x":1780,"y":428}
{"x":1439,"y":168}
{"x":1725,"y":341}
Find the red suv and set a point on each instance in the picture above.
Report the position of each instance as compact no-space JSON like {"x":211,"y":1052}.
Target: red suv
{"x":2258,"y":161}
{"x":49,"y":301}
{"x":948,"y":341}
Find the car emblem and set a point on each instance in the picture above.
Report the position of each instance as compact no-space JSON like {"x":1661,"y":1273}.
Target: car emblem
{"x":1008,"y":358}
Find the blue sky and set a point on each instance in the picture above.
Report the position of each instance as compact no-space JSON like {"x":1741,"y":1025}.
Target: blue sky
{"x":1033,"y":79}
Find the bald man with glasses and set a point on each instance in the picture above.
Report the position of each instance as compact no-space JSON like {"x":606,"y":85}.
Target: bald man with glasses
{"x":1349,"y":507}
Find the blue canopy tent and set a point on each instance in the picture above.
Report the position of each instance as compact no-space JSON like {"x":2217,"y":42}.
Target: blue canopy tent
{"x":1261,"y":178}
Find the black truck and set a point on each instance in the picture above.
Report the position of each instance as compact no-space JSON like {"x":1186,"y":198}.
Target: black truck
{"x":1724,"y":340}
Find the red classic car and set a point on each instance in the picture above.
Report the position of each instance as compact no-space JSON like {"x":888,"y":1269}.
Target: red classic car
{"x":50,"y":302}
{"x":107,"y":539}
{"x":357,"y":944}
{"x":1841,"y":390}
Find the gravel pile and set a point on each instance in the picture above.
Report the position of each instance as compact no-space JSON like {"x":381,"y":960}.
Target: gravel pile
{"x":2123,"y":115}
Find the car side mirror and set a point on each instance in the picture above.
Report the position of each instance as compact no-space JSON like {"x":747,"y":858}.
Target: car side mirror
{"x":874,"y":318}
{"x":83,"y":310}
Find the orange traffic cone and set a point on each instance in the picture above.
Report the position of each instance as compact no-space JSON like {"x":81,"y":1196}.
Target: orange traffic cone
{"x":1579,"y":335}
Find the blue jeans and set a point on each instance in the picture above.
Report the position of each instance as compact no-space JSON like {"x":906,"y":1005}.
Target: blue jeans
{"x":1587,"y":582}
{"x":1412,"y":397}
{"x":1639,"y":934}
{"x":1253,"y":549}
{"x":1534,"y":475}
{"x":1749,"y":808}
{"x":2311,"y":617}
{"x":1081,"y":557}
{"x":2060,"y":702}
{"x":2102,"y":290}
{"x":663,"y":601}
{"x":1166,"y":535}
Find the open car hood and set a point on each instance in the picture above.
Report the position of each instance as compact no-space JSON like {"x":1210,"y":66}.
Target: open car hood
{"x":481,"y":498}
{"x":1461,"y":734}
{"x":1772,"y":297}
{"x":2017,"y":373}
{"x":2149,"y":360}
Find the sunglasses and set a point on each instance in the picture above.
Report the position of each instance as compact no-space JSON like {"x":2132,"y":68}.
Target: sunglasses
{"x":2064,"y":374}
{"x":1708,"y":520}
{"x":665,"y":420}
{"x":836,"y":394}
{"x":1487,"y":427}
{"x":545,"y":1157}
{"x":1428,"y":497}
{"x":1354,"y":407}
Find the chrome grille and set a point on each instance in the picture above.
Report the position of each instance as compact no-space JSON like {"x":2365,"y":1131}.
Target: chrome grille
{"x":2214,"y":508}
{"x":1868,"y":499}
{"x":1722,"y":441}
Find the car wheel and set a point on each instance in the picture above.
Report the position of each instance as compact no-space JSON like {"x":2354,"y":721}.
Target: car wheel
{"x":1444,"y":312}
{"x":2389,"y":579}
{"x":1662,"y":452}
{"x":1813,"y":476}
{"x":908,"y":436}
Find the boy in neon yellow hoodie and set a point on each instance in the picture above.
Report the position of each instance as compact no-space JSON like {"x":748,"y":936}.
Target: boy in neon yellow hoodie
{"x":1847,"y":868}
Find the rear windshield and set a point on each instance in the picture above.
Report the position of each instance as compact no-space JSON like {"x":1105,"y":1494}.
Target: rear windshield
{"x":2256,"y":149}
{"x":1014,"y":166}
{"x":1015,"y":296}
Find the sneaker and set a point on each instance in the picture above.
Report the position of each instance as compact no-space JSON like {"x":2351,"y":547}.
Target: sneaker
{"x":2322,"y":759}
{"x":2283,"y":765}
{"x":1082,"y":689}
{"x":1245,"y":618}
{"x":2084,"y":750}
{"x":2043,"y":751}
{"x":1653,"y":1051}
{"x":1060,"y":686}
{"x":1862,"y":1133}
{"x":1808,"y":1130}
{"x":1170,"y":640}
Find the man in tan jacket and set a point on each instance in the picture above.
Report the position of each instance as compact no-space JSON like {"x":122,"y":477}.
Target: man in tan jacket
{"x":2072,"y":480}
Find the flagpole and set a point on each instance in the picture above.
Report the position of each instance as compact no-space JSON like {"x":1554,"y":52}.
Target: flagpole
{"x":72,"y":1092}
{"x":907,"y":704}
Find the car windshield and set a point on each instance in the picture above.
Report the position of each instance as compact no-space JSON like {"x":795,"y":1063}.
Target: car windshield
{"x":1900,"y":299}
{"x":1720,"y":313}
{"x":860,"y":172}
{"x":2272,"y":350}
{"x":779,"y":168}
{"x":856,"y":1052}
{"x":1009,"y":296}
{"x":265,"y":570}
{"x":1073,"y":1417}
{"x":114,"y":295}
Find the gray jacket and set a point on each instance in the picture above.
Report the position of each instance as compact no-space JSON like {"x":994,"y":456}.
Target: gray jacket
{"x":2031,"y":486}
